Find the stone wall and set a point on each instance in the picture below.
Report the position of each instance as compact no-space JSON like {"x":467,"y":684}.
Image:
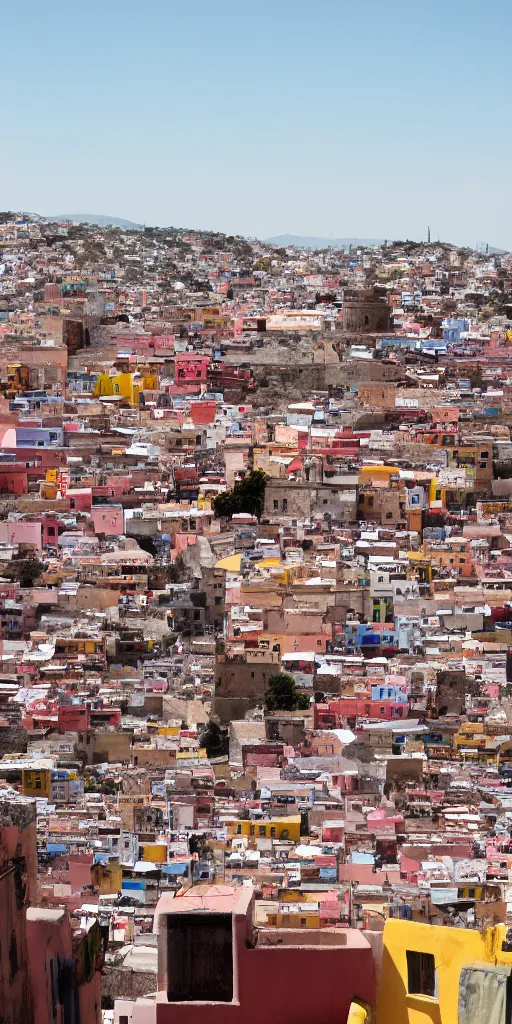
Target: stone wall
{"x":123,"y":983}
{"x":366,"y":315}
{"x":13,"y":740}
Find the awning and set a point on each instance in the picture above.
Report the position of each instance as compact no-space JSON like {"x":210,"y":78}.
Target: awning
{"x":232,"y":563}
{"x":179,"y":868}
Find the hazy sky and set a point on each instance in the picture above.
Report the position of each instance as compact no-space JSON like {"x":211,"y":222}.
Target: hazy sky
{"x":361,"y":118}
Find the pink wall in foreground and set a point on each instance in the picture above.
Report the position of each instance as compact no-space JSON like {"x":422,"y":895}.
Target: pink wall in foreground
{"x":47,"y":940}
{"x":279,"y":984}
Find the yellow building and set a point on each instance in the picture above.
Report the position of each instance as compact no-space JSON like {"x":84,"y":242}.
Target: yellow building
{"x":505,"y":754}
{"x":108,"y":878}
{"x":122,"y":384}
{"x":471,"y":735}
{"x":275,"y":828}
{"x":154,"y":852}
{"x":296,"y":896}
{"x":294,"y":916}
{"x":379,"y":476}
{"x":426,"y":968}
{"x":36,"y":782}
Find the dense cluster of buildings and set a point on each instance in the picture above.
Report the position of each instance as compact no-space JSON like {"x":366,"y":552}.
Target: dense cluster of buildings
{"x":255,"y":629}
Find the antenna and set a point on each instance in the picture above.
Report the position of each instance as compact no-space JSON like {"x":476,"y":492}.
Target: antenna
{"x":428,"y":235}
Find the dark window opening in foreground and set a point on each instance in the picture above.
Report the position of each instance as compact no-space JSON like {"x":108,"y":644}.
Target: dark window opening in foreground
{"x":421,"y":974}
{"x":199,"y":957}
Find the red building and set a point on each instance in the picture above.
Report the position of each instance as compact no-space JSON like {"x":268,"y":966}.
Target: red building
{"x":335,"y":713}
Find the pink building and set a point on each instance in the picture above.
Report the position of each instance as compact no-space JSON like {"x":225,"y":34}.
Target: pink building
{"x":49,"y":974}
{"x":50,"y":531}
{"x":64,"y":968}
{"x":190,"y":369}
{"x":21,"y":532}
{"x":80,"y":498}
{"x":108,"y":519}
{"x":335,"y":713}
{"x":214,"y":966}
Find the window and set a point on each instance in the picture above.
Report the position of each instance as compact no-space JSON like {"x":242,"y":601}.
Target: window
{"x":272,"y":831}
{"x":239,"y":830}
{"x":218,"y":600}
{"x":438,"y":495}
{"x":389,"y":515}
{"x":370,"y":501}
{"x":276,"y":505}
{"x":262,"y":831}
{"x":285,"y":504}
{"x":199,"y":958}
{"x":123,"y":1018}
{"x":303,"y":922}
{"x":421,"y":974}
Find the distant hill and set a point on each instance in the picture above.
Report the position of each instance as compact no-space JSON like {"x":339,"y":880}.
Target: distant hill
{"x":98,"y":219}
{"x":312,"y":242}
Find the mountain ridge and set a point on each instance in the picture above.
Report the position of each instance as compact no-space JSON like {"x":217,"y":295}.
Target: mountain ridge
{"x":317,"y":242}
{"x":99,"y":220}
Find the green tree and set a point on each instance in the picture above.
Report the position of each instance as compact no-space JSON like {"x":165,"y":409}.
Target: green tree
{"x":24,"y":570}
{"x":246,"y":496}
{"x":282,"y":694}
{"x":215,"y":740}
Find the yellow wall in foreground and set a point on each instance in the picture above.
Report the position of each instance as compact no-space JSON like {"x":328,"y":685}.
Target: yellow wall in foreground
{"x":453,"y":948}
